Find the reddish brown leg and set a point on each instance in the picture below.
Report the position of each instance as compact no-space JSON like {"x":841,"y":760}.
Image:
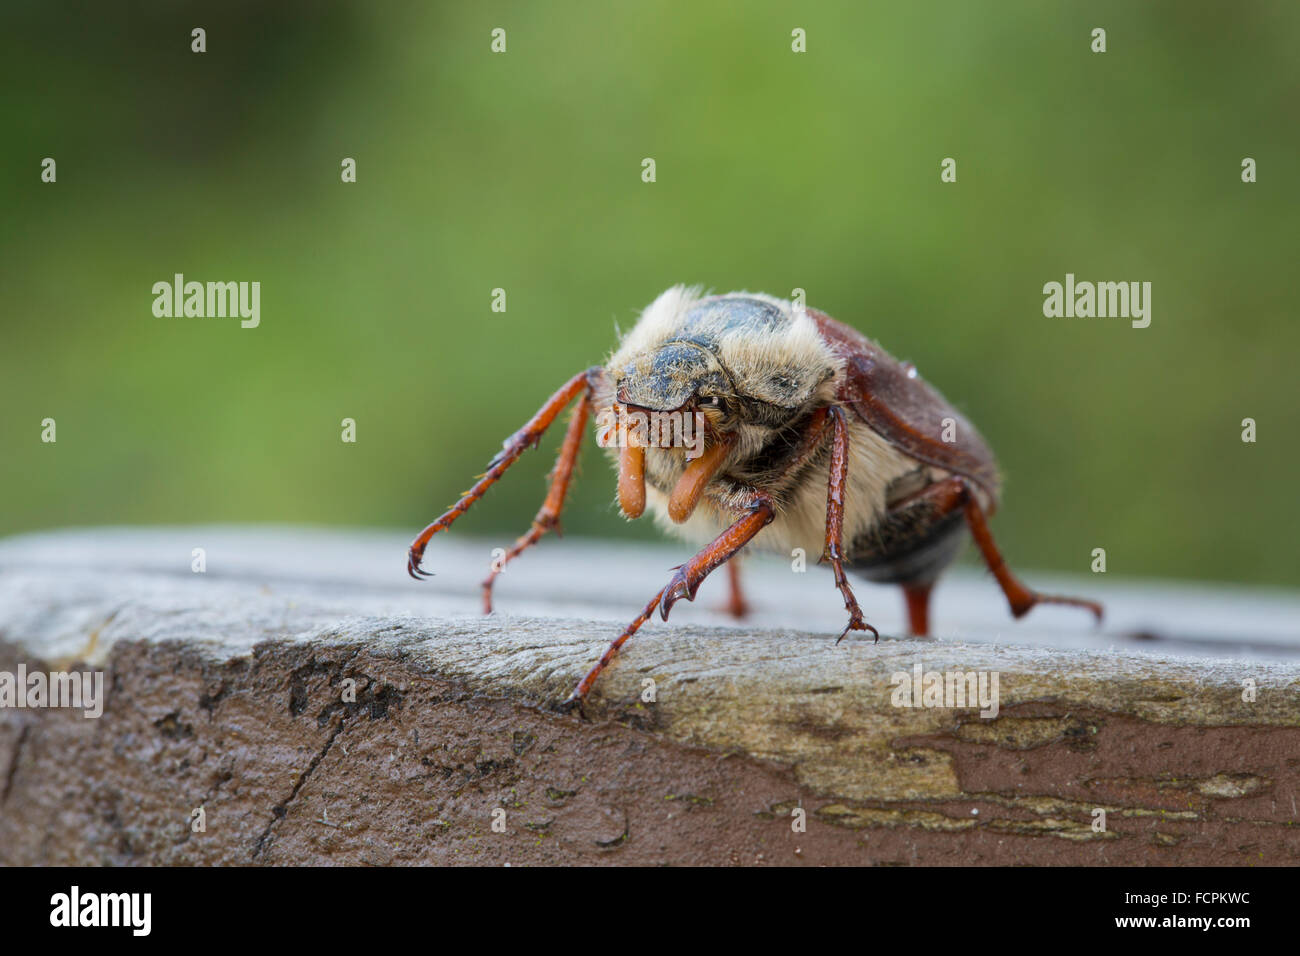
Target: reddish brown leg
{"x":514,"y":446}
{"x":691,"y":575}
{"x":918,"y":607}
{"x":736,"y":604}
{"x":685,"y":583}
{"x":956,"y":492}
{"x":833,"y":551}
{"x":580,"y":692}
{"x":548,"y":516}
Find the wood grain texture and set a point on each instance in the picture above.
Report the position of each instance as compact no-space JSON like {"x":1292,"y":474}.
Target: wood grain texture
{"x":226,"y":692}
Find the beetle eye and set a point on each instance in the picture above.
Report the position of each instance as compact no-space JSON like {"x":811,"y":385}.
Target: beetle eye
{"x":711,"y":401}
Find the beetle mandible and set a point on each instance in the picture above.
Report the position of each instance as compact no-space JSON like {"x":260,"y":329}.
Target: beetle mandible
{"x":813,"y":437}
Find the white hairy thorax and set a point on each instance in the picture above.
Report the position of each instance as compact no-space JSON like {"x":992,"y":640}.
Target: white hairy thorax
{"x":787,"y":363}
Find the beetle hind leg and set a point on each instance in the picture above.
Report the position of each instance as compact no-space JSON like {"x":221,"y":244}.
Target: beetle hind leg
{"x":736,"y":604}
{"x":955,"y":495}
{"x":917,"y":596}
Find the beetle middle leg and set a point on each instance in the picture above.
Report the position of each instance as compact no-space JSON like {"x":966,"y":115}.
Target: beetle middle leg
{"x":834,"y":548}
{"x":917,"y":596}
{"x":685,"y":582}
{"x":736,"y":604}
{"x":548,"y":516}
{"x":956,"y":493}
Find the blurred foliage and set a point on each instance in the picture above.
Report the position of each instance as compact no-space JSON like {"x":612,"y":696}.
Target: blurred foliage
{"x":522,"y":170}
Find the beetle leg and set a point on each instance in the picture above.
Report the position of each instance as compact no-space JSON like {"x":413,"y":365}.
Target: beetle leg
{"x":685,"y":582}
{"x":815,"y":431}
{"x":548,"y":516}
{"x":956,"y":492}
{"x":580,"y":692}
{"x":917,"y":594}
{"x":691,"y":575}
{"x":736,"y":604}
{"x":513,"y":447}
{"x":834,"y":549}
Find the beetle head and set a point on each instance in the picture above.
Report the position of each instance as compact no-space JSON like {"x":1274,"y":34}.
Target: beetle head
{"x":752,"y":365}
{"x":740,"y":359}
{"x":672,"y":376}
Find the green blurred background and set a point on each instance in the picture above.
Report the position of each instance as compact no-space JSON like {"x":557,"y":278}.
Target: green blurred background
{"x":522,"y":171}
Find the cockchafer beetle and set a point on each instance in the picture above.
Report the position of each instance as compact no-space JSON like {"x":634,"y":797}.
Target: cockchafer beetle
{"x":813,"y":437}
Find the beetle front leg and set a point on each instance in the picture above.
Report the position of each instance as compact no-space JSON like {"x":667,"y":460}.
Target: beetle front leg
{"x":691,"y":575}
{"x":513,"y":447}
{"x":834,"y":548}
{"x":956,"y":492}
{"x":548,"y":517}
{"x":580,"y":692}
{"x":685,"y":582}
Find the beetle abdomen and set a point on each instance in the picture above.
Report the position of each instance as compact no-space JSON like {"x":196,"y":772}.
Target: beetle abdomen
{"x":911,"y":544}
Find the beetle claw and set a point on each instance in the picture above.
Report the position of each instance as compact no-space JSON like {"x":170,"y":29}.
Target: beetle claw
{"x":857,"y":624}
{"x":413,"y":567}
{"x":571,"y":703}
{"x":1036,"y":599}
{"x":679,"y":587}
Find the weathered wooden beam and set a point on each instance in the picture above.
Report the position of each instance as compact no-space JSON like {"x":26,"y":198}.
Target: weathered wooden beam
{"x":228,"y":690}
